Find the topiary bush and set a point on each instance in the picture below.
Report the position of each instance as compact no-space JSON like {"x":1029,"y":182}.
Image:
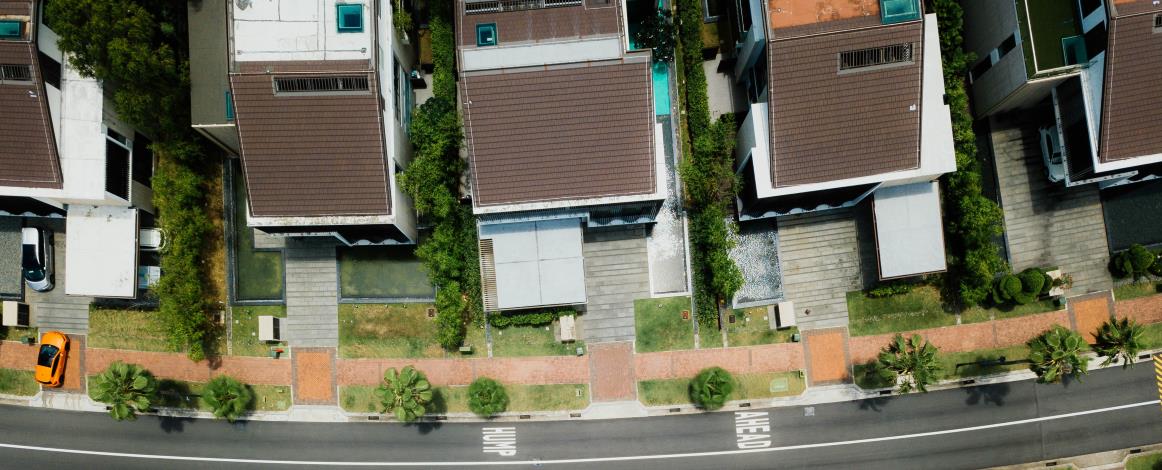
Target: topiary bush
{"x":1006,"y":289}
{"x":1135,"y":262}
{"x":486,"y":397}
{"x":711,"y":388}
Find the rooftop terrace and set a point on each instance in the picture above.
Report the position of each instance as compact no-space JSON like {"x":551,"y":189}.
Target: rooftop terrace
{"x":1047,"y":27}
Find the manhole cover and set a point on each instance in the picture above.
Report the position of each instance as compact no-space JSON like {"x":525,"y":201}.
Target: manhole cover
{"x":809,"y":411}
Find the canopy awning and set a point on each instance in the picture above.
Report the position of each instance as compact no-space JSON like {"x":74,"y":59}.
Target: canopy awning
{"x":909,"y":232}
{"x":537,"y":263}
{"x":101,"y":251}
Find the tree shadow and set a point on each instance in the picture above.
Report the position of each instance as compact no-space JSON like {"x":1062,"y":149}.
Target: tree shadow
{"x":876,"y":404}
{"x":426,"y":427}
{"x":987,"y":394}
{"x":174,"y":424}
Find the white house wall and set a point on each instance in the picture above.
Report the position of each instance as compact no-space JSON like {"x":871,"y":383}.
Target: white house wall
{"x":280,"y":30}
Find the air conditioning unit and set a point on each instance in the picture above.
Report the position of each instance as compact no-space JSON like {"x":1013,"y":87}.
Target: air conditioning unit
{"x":270,"y":328}
{"x":15,"y":314}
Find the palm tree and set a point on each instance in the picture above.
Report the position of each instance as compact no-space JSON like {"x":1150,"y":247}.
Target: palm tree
{"x":1057,"y":353}
{"x":404,"y":393}
{"x":910,"y":363}
{"x":486,"y":397}
{"x":228,"y":398}
{"x":126,"y":388}
{"x":1119,"y":339}
{"x":711,"y":388}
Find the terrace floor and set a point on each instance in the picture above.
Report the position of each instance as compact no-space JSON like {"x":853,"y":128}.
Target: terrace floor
{"x":1048,"y":21}
{"x":1046,"y":223}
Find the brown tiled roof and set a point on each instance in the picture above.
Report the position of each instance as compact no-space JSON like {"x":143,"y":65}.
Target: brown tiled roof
{"x":310,"y":154}
{"x":541,"y":24}
{"x":560,"y":134}
{"x":1130,"y":112}
{"x":827,"y":125}
{"x":28,"y":155}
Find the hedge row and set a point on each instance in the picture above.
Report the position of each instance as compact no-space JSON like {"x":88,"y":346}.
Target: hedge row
{"x":141,"y":47}
{"x":708,"y":178}
{"x":972,"y":221}
{"x":449,"y":252}
{"x":534,"y":318}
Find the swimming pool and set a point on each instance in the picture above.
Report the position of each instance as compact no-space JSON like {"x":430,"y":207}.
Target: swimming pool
{"x":661,"y":89}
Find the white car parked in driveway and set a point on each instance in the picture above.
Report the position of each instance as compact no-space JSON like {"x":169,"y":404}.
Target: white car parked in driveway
{"x":36,"y":253}
{"x":1051,"y":153}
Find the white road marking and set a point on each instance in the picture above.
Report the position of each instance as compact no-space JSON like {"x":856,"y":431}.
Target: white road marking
{"x":500,"y":441}
{"x":753,"y":429}
{"x":582,"y":460}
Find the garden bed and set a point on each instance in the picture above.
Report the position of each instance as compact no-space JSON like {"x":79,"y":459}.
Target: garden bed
{"x":752,"y":328}
{"x":558,"y":397}
{"x":748,"y":387}
{"x":18,"y":382}
{"x":922,"y":308}
{"x":388,"y":331}
{"x":955,"y":366}
{"x":258,"y":273}
{"x":659,"y":325}
{"x":529,"y":341}
{"x":244,"y":329}
{"x":1135,"y":290}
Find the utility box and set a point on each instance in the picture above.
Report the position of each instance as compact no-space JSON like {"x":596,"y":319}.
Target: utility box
{"x":270,"y":328}
{"x":16,"y":314}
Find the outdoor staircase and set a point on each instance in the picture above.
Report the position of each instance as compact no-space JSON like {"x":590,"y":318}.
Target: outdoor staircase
{"x":312,"y":301}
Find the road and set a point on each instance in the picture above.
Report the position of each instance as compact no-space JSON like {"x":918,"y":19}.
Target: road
{"x":1007,"y":423}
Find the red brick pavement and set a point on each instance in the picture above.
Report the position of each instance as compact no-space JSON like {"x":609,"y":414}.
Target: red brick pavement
{"x":524,"y":370}
{"x":782,"y":357}
{"x":15,"y":355}
{"x":314,"y":376}
{"x":75,"y":366}
{"x":969,"y":337}
{"x":251,"y":370}
{"x":827,"y":356}
{"x":1089,"y":312}
{"x":612,"y":371}
{"x":1142,"y":309}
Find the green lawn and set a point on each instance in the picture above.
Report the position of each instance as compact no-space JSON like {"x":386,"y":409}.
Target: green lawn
{"x":136,"y":330}
{"x":388,"y":330}
{"x":709,"y":337}
{"x":959,"y":365}
{"x":530,"y":341}
{"x":748,"y":387}
{"x":383,"y":272}
{"x":1136,"y":290}
{"x":918,"y":309}
{"x":258,"y":274}
{"x":18,"y":382}
{"x":244,"y":329}
{"x":921,"y":308}
{"x":751,"y":328}
{"x":659,"y":325}
{"x":1152,"y":337}
{"x":1145,"y":462}
{"x":182,"y":394}
{"x":361,"y":399}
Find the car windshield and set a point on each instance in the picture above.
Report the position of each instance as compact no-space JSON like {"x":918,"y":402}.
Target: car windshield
{"x":30,"y":261}
{"x":47,"y":353}
{"x":34,"y":275}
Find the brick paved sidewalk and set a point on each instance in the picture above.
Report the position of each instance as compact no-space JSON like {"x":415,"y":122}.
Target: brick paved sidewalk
{"x":612,"y":372}
{"x":973,"y":336}
{"x":251,"y":370}
{"x":828,"y":360}
{"x":314,"y":376}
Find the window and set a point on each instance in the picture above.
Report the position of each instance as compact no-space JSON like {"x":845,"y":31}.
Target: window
{"x":50,"y":69}
{"x":15,"y":73}
{"x":1007,"y":45}
{"x":1157,"y":22}
{"x":142,"y":160}
{"x":351,"y":84}
{"x":229,"y":106}
{"x":11,"y":29}
{"x":350,"y":18}
{"x":486,"y":34}
{"x":979,"y":69}
{"x":117,"y":164}
{"x":875,"y":56}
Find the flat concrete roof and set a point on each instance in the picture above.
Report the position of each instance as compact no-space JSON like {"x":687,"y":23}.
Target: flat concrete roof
{"x":537,"y":263}
{"x":909,"y":232}
{"x":101,"y":248}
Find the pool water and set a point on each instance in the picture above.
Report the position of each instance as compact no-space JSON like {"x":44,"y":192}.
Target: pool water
{"x":661,"y":89}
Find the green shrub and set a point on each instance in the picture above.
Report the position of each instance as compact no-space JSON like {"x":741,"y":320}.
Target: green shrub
{"x":401,"y":20}
{"x":450,"y":325}
{"x":486,"y":397}
{"x":534,"y":318}
{"x":1119,"y":340}
{"x":1135,"y":262}
{"x":711,"y":388}
{"x":972,"y":221}
{"x":1056,"y":354}
{"x":1007,"y":289}
{"x":888,"y":290}
{"x":128,"y":389}
{"x":228,"y":398}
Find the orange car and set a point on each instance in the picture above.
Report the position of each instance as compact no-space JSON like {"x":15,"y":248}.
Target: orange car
{"x":50,"y":361}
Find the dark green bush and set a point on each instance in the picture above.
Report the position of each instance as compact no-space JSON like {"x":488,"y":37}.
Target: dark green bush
{"x":486,"y":397}
{"x":972,"y":221}
{"x":1033,"y":281}
{"x":1007,"y":289}
{"x":1135,"y":262}
{"x":711,"y":388}
{"x":888,"y":290}
{"x":532,"y":318}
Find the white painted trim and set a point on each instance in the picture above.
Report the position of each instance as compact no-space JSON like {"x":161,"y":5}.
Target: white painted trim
{"x":539,"y":54}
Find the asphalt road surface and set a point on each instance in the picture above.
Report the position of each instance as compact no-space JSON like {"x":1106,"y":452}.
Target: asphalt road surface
{"x":966,"y":428}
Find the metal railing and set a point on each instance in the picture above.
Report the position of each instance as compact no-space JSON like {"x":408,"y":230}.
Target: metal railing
{"x":496,"y":6}
{"x":15,"y":73}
